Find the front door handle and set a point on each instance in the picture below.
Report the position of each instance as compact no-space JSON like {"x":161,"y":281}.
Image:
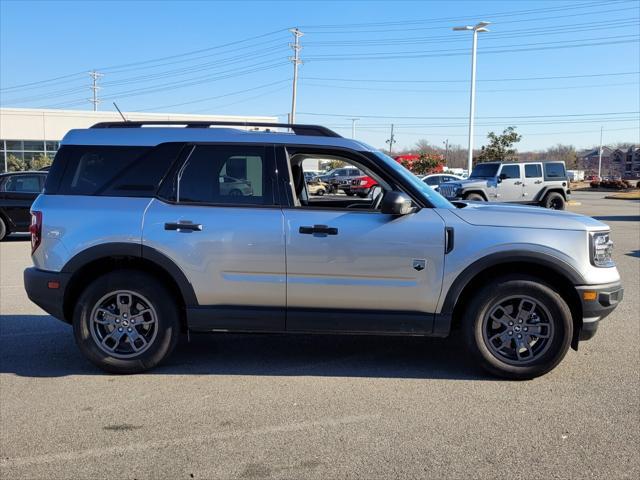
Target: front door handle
{"x":322,"y":229}
{"x":517,"y":183}
{"x":184,"y":226}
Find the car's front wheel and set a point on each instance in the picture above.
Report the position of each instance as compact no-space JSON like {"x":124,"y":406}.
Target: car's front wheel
{"x":475,"y":197}
{"x":518,"y":327}
{"x":126,"y":322}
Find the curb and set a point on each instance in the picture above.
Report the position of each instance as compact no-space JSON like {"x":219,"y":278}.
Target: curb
{"x":573,"y":203}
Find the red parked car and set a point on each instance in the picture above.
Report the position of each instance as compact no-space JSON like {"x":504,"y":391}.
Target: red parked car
{"x":361,"y":186}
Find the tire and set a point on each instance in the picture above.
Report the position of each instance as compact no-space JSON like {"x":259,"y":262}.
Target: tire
{"x":320,"y":192}
{"x":235,"y":193}
{"x":554,"y":201}
{"x":476,"y":197}
{"x":496,"y":349}
{"x":148,"y":300}
{"x":4,"y":230}
{"x":350,"y":194}
{"x":363,"y":195}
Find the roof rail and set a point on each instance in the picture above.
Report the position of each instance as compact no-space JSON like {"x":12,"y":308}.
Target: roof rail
{"x":311,"y":130}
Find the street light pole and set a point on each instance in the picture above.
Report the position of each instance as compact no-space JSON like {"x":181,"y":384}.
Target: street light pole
{"x":600,"y":156}
{"x":478,"y":28}
{"x":353,"y":127}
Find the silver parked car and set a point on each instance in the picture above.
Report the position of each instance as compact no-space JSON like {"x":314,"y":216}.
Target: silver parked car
{"x":533,"y":183}
{"x":135,"y":241}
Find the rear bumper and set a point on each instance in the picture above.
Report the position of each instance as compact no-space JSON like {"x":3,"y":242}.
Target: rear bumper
{"x":41,"y":290}
{"x":598,"y":301}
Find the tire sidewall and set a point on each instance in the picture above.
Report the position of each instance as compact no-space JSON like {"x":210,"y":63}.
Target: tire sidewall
{"x":474,"y":197}
{"x":560,"y":316}
{"x":554,"y":196}
{"x":155,"y":292}
{"x":4,"y":229}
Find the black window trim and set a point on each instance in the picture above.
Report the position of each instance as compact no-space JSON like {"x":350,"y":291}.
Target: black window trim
{"x":181,"y":160}
{"x":367,"y":160}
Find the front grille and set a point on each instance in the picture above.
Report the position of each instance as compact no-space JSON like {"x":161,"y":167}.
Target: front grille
{"x":447,"y":191}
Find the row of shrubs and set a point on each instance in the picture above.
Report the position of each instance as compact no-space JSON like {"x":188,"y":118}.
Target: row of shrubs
{"x":613,"y":184}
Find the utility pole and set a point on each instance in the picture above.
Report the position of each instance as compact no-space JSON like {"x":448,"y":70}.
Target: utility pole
{"x":600,"y":156}
{"x":353,"y":127}
{"x":391,"y":141}
{"x":446,"y":151}
{"x":296,"y":61}
{"x":479,"y":27}
{"x":94,"y":86}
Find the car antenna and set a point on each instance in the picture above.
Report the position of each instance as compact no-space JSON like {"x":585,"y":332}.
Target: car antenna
{"x":123,"y":117}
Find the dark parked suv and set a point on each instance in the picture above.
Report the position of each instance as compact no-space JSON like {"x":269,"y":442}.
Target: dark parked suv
{"x":17,"y":193}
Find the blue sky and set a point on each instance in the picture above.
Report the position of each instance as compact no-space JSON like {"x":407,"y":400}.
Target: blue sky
{"x":384,"y":62}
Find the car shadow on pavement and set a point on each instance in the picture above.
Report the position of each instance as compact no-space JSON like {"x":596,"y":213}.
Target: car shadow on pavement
{"x":633,"y":253}
{"x":40,"y":346}
{"x":618,"y":218}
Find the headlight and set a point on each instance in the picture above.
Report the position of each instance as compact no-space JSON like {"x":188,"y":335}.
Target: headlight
{"x":601,"y":249}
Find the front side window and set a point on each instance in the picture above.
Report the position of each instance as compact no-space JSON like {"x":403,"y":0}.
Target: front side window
{"x":510,"y":171}
{"x":215,"y":174}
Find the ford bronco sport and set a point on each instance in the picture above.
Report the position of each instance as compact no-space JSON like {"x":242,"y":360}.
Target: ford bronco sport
{"x":533,"y":183}
{"x":135,"y":240}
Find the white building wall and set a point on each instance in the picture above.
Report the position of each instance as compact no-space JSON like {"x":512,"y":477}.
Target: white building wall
{"x":41,"y":124}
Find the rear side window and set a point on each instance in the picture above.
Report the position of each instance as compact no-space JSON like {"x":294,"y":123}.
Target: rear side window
{"x":554,"y":171}
{"x":221,"y":174}
{"x":22,"y":184}
{"x":109,"y":170}
{"x":532,"y":171}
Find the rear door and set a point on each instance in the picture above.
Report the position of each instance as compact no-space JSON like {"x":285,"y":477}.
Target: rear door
{"x":510,"y":187}
{"x":533,"y":181}
{"x":17,"y":193}
{"x":229,"y":242}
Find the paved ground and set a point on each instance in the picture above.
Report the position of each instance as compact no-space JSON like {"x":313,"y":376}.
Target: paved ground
{"x":319,"y":407}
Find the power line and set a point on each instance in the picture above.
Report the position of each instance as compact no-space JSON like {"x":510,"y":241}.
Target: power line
{"x":519,"y":79}
{"x":455,"y":19}
{"x":391,"y":117}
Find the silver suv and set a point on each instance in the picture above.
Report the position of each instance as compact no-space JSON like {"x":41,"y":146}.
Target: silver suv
{"x":534,"y":183}
{"x":135,"y":241}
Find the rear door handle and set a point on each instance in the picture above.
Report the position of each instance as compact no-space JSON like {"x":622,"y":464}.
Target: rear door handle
{"x":322,"y":229}
{"x":184,"y":226}
{"x":517,"y":183}
{"x":538,"y":182}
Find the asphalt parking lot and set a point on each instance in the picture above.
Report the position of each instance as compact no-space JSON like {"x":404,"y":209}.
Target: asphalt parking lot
{"x":274,"y":406}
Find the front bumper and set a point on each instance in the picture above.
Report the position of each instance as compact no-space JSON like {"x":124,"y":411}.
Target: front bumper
{"x":598,"y":301}
{"x":46,"y":289}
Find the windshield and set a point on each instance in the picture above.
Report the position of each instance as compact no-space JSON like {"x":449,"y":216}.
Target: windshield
{"x":434,"y":197}
{"x":485,"y":170}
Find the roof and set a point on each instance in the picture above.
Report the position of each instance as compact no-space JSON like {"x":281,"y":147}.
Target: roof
{"x":152,"y":136}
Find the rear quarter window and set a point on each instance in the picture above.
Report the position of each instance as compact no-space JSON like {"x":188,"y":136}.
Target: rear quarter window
{"x":554,"y":171}
{"x":109,"y":170}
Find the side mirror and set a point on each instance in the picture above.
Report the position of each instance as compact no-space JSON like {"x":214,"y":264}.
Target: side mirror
{"x":502,"y":176}
{"x":396,"y":203}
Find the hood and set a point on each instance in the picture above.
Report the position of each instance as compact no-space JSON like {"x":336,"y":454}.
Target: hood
{"x":476,"y":182}
{"x":520,"y":216}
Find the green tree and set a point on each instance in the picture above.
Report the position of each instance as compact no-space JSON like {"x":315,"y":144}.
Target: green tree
{"x":423,"y":165}
{"x":39,"y":162}
{"x":16,"y":164}
{"x":500,"y":147}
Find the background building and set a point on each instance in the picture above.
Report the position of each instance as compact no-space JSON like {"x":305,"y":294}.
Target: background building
{"x":30,"y":133}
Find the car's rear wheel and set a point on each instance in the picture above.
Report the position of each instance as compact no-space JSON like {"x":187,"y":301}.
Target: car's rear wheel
{"x":476,"y":197}
{"x":554,"y":201}
{"x":518,"y":327}
{"x":126,"y":322}
{"x":363,"y":195}
{"x":4,"y":230}
{"x":320,"y":192}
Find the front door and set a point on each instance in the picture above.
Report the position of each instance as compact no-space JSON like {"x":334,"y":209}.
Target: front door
{"x":510,"y":188}
{"x":351,"y":268}
{"x":219,"y":223}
